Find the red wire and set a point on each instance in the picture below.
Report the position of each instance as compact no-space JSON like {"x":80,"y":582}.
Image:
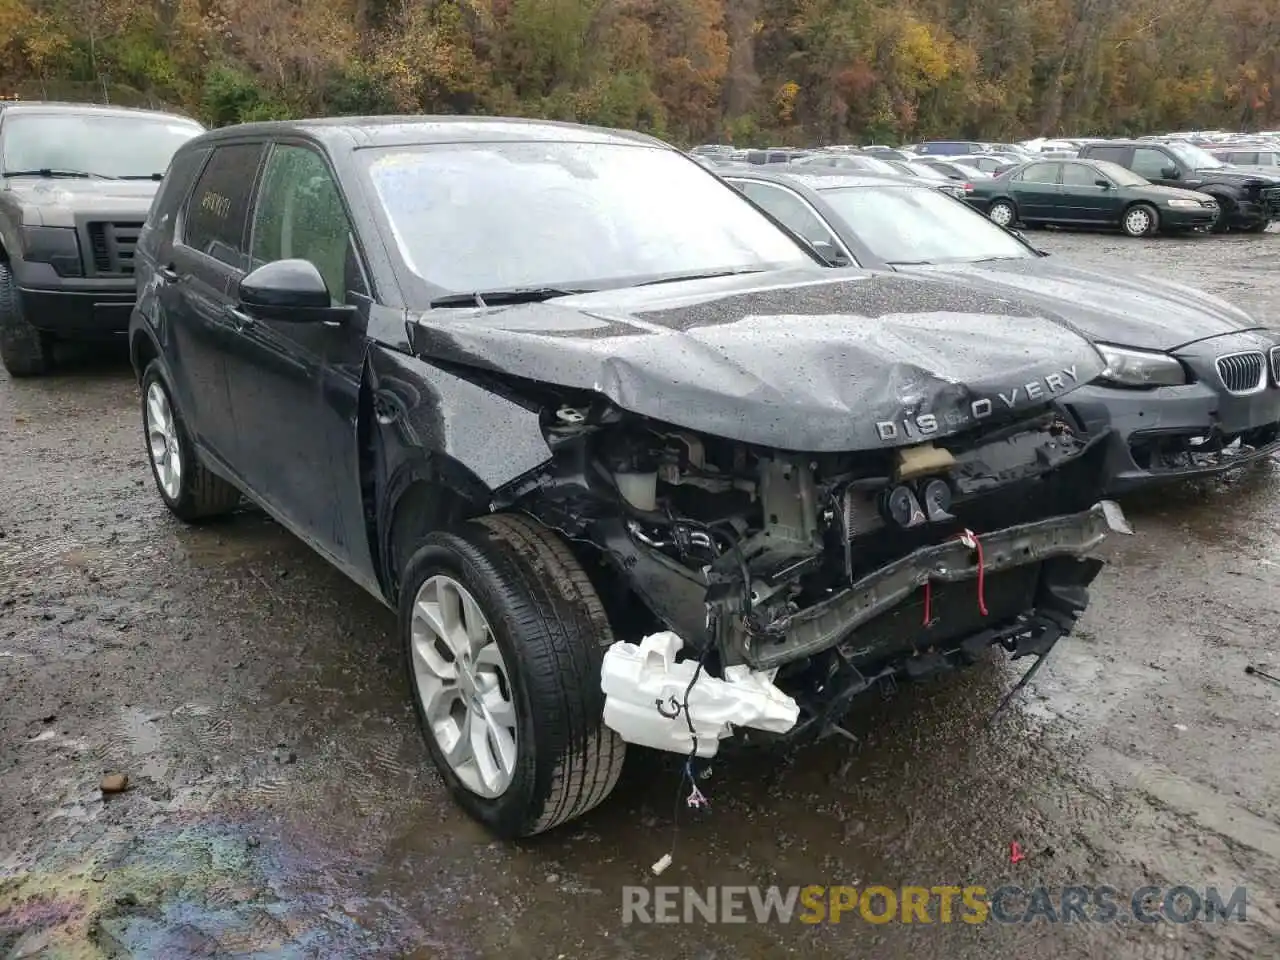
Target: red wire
{"x":982,"y":596}
{"x":982,"y":581}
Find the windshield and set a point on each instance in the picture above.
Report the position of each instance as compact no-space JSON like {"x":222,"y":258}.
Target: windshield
{"x":1122,"y":176}
{"x":844,"y":161}
{"x":1194,"y":157}
{"x":504,"y":215}
{"x":920,"y":225}
{"x":103,"y":145}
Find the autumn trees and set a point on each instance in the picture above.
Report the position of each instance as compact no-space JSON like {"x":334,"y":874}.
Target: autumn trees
{"x":689,"y":70}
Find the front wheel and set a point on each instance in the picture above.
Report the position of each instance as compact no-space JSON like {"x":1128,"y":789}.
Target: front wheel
{"x":1002,"y":213}
{"x":1140,"y":220}
{"x":504,"y":637}
{"x":1259,"y":227}
{"x":25,"y":351}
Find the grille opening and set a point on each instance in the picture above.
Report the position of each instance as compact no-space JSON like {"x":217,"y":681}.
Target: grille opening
{"x":112,"y":245}
{"x":1243,"y":372}
{"x":1196,"y":449}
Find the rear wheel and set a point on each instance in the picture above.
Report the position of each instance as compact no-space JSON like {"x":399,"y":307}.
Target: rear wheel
{"x":1002,"y":213}
{"x":190,"y":491}
{"x":504,"y":637}
{"x":26,"y":351}
{"x":1140,"y":220}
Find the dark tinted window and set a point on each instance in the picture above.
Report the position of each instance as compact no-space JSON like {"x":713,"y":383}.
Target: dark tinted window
{"x":219,"y":206}
{"x":1149,"y":163}
{"x":1040,"y":173}
{"x":1114,"y":154}
{"x":1079,"y":175}
{"x":300,"y":215}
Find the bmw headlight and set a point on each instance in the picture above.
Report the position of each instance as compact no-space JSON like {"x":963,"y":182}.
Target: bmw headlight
{"x":1184,"y":202}
{"x":1140,"y":368}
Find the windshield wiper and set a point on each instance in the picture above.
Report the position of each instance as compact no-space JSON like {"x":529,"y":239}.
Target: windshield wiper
{"x":52,"y":172}
{"x":142,"y":176}
{"x":486,"y":298}
{"x":676,"y":278}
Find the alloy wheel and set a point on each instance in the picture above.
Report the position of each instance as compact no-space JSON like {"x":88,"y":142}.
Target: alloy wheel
{"x":1137,"y":222}
{"x":464,"y":686}
{"x":1002,"y":214}
{"x":162,"y":441}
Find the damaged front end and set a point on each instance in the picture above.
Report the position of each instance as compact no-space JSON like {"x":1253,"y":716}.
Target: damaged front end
{"x":814,"y":575}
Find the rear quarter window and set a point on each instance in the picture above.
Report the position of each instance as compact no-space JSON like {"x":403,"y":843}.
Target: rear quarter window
{"x":183,"y":168}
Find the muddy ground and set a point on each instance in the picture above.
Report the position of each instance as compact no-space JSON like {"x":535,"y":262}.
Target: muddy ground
{"x":281,"y":803}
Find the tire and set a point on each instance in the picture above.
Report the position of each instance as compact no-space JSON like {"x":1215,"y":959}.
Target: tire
{"x":1140,"y":220}
{"x":1223,"y":221}
{"x":25,"y":351}
{"x":1002,"y":212}
{"x":195,"y":493}
{"x":1259,"y":227}
{"x":546,"y":623}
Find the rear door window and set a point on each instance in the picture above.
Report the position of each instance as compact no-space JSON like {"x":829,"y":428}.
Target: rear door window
{"x":217,"y":213}
{"x":1040,"y":173}
{"x":1118,"y":155}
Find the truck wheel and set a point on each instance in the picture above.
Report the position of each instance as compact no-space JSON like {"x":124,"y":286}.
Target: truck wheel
{"x":190,"y":491}
{"x":1140,"y":220}
{"x":1259,"y":227}
{"x":26,"y":351}
{"x":1002,"y":213}
{"x":504,"y":637}
{"x":1221,"y":223}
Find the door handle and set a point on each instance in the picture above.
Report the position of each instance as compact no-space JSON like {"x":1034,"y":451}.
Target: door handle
{"x":169,"y":274}
{"x":242,"y":320}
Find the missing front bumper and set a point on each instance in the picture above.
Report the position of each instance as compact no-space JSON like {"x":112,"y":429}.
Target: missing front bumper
{"x":832,"y":622}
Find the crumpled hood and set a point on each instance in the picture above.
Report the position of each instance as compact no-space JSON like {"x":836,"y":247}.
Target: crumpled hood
{"x":806,"y":360}
{"x":55,"y":202}
{"x":1124,"y":309}
{"x":1235,"y":175}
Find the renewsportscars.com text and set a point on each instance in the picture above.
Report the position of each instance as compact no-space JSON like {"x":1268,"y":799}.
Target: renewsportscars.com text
{"x":940,"y":904}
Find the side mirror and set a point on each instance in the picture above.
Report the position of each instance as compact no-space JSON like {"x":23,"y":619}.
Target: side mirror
{"x":828,"y":251}
{"x":1170,"y":173}
{"x":292,"y":291}
{"x":1104,"y":184}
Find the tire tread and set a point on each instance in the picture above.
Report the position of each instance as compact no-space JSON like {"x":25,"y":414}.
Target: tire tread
{"x":204,"y":494}
{"x":545,"y":601}
{"x":24,"y":350}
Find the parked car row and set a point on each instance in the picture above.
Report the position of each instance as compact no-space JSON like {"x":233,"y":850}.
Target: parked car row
{"x":1039,"y":184}
{"x":644,"y":454}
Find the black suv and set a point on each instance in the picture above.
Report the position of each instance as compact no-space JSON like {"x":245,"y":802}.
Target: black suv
{"x":1247,"y":201}
{"x":76,"y":181}
{"x":542,"y":389}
